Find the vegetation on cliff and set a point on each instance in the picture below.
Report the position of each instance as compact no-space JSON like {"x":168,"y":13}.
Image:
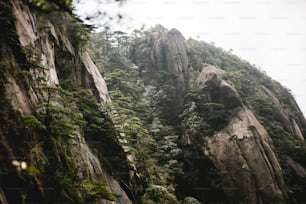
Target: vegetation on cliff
{"x":144,"y":92}
{"x":62,"y":140}
{"x":46,"y":126}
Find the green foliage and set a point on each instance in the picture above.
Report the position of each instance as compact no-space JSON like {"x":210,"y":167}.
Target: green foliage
{"x":32,"y":170}
{"x":66,"y":180}
{"x":70,"y":111}
{"x":32,"y":122}
{"x":33,"y":57}
{"x":95,"y":191}
{"x":9,"y":38}
{"x":246,"y":78}
{"x":215,"y":115}
{"x":48,"y":5}
{"x":287,"y":144}
{"x":78,"y":33}
{"x":168,"y":152}
{"x":99,"y":127}
{"x":265,"y":107}
{"x":101,"y":45}
{"x":136,"y":110}
{"x":243,"y":82}
{"x":140,"y":143}
{"x":202,"y":117}
{"x":38,"y":159}
{"x":60,"y":113}
{"x":251,"y":127}
{"x":111,"y":47}
{"x":158,"y":194}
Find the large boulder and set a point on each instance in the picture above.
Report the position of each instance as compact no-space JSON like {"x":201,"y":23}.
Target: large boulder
{"x":242,"y":152}
{"x":163,"y":54}
{"x":214,"y":82}
{"x":169,"y":53}
{"x":244,"y":155}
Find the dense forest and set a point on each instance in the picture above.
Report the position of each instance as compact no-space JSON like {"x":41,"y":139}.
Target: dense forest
{"x":146,"y":117}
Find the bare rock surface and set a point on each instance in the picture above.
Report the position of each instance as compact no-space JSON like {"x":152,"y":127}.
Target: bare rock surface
{"x":242,"y":151}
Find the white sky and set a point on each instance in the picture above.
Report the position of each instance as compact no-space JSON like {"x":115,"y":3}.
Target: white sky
{"x":268,"y":33}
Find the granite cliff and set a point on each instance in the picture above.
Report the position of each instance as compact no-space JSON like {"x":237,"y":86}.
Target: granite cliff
{"x":38,"y":54}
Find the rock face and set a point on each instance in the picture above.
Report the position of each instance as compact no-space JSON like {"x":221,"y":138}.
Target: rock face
{"x":161,"y":56}
{"x":220,"y":90}
{"x":250,"y":170}
{"x":49,"y":40}
{"x":242,"y":152}
{"x":289,"y":123}
{"x":164,"y":52}
{"x":169,"y":53}
{"x":298,"y":169}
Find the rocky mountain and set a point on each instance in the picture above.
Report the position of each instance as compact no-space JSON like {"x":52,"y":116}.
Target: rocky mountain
{"x":170,"y":121}
{"x":238,"y":129}
{"x":52,"y":141}
{"x":168,"y":63}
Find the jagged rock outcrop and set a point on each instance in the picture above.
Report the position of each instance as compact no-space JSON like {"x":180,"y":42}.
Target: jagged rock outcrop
{"x":286,"y":120}
{"x":242,"y":152}
{"x":169,"y":53}
{"x":298,"y":169}
{"x":220,"y":90}
{"x":250,"y":170}
{"x":161,"y":57}
{"x":40,"y":33}
{"x":52,"y":42}
{"x":165,"y":52}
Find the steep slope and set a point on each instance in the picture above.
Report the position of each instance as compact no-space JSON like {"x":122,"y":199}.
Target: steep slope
{"x":167,"y":53}
{"x":242,"y":151}
{"x":162,"y":60}
{"x":262,"y":123}
{"x":250,"y":83}
{"x":241,"y":132}
{"x":53,"y":144}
